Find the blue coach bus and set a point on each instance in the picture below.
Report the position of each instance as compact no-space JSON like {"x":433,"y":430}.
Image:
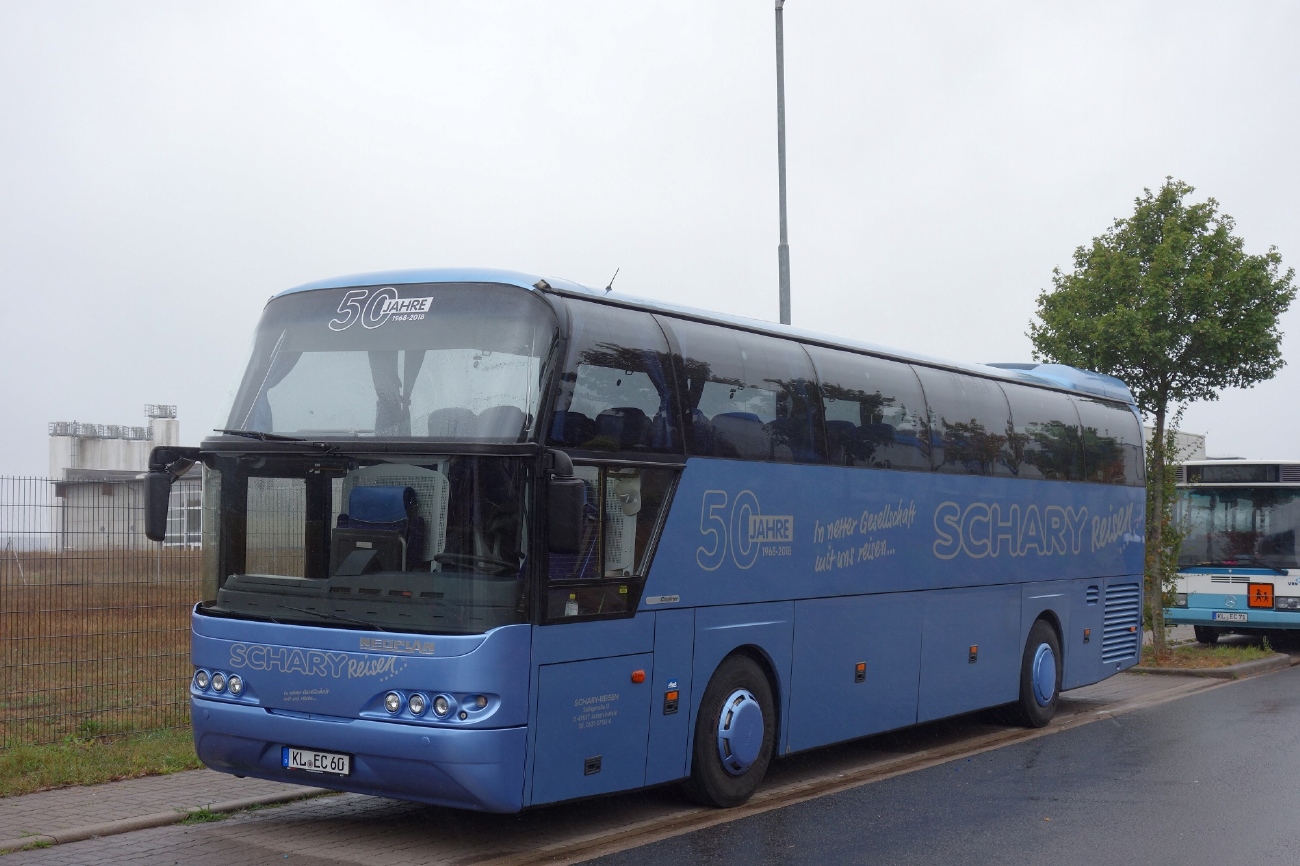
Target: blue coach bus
{"x":491,"y":541}
{"x":1237,"y":568}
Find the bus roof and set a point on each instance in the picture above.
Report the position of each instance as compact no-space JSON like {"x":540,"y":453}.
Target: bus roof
{"x":1056,"y":376}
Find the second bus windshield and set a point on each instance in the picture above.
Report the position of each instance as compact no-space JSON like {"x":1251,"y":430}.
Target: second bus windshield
{"x":1249,"y":525}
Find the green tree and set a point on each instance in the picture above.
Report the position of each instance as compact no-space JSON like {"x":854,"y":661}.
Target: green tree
{"x":1169,"y":301}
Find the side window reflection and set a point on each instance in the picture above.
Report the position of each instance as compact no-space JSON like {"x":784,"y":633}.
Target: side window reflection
{"x":875,"y":414}
{"x":615,"y":388}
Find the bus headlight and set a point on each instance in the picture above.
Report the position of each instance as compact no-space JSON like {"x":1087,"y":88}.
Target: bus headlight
{"x":393,"y":702}
{"x":1181,"y":600}
{"x":417,"y":704}
{"x":1287,"y":602}
{"x":218,"y":682}
{"x":441,"y":706}
{"x":201,"y":679}
{"x":236,"y":685}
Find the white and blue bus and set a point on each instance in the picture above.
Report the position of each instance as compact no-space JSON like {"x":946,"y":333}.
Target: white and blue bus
{"x":492,"y":541}
{"x":1237,"y":569}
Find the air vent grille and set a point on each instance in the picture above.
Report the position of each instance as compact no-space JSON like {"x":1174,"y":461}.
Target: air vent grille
{"x":1122,"y":616}
{"x":1290,"y":474}
{"x":1229,"y":578}
{"x":1093,"y":595}
{"x":1180,"y":475}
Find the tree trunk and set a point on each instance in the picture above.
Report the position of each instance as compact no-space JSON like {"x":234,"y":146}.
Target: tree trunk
{"x":1156,"y":507}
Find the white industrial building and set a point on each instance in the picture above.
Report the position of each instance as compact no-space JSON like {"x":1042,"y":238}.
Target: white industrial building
{"x":97,"y":469}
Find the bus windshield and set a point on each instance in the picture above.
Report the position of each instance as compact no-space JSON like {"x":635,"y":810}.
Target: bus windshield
{"x":430,"y":544}
{"x":455,"y":362}
{"x":1240,"y":525}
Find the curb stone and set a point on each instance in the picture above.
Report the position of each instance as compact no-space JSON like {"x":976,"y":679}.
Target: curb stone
{"x":158,"y":819}
{"x":1230,"y":672}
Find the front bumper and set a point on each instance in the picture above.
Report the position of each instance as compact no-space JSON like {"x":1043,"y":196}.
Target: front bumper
{"x":463,"y":768}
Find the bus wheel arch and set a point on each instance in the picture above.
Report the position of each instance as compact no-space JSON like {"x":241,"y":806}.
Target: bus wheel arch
{"x":1041,"y":667}
{"x":735,"y":731}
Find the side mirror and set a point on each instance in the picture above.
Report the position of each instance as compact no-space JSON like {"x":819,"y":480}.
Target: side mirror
{"x":157,"y":493}
{"x":566,"y":496}
{"x":166,"y":464}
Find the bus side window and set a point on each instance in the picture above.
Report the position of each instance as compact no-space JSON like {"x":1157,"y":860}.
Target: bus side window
{"x":615,"y":391}
{"x":874,"y":411}
{"x":604,"y":579}
{"x":970,"y":423}
{"x":1112,"y":443}
{"x":1045,"y":441}
{"x":747,"y":396}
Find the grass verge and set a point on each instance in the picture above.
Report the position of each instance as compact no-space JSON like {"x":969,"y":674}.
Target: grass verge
{"x":1192,"y":656}
{"x":25,"y":769}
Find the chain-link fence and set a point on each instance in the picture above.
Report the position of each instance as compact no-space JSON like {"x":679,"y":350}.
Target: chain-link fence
{"x":94,"y":619}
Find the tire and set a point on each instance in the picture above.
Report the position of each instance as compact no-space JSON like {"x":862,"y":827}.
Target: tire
{"x":1206,"y":634}
{"x":1040,"y":677}
{"x":734,"y":733}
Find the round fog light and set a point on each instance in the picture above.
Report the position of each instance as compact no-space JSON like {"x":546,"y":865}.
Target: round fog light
{"x":236,"y":684}
{"x":392,"y":702}
{"x":201,"y":679}
{"x":441,"y":706}
{"x":480,"y":702}
{"x":417,"y":704}
{"x":218,"y":682}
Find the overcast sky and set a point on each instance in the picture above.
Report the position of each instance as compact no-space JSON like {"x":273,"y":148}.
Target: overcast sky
{"x":165,"y":168}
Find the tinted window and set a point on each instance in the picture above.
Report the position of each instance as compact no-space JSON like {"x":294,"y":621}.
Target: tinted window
{"x":970,"y":422}
{"x":746,"y":396}
{"x":875,"y":414}
{"x":615,"y":392}
{"x":1112,"y":443}
{"x":1045,"y":440}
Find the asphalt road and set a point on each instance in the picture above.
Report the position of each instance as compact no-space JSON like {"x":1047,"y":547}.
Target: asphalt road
{"x":1210,"y":779}
{"x":1213,"y":777}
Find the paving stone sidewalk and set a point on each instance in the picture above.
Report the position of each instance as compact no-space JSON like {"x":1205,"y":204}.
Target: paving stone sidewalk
{"x":70,"y":814}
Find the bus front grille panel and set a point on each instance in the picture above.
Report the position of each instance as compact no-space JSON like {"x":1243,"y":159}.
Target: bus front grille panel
{"x":1122,"y":615}
{"x":1229,"y":578}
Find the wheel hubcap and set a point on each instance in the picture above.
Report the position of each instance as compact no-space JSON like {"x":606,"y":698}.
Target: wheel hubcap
{"x":740,"y":732}
{"x":1044,"y":675}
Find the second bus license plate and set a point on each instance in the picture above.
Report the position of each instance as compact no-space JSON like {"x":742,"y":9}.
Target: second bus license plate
{"x":315,"y":762}
{"x":1223,"y":616}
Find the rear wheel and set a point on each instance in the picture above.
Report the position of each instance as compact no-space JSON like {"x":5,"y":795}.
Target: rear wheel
{"x":1205,"y":634}
{"x":733,"y":735}
{"x":1040,"y":677}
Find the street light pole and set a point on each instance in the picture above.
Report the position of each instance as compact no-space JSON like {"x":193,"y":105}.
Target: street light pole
{"x":783,"y":249}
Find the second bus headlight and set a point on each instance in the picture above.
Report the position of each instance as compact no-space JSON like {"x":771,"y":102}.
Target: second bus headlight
{"x":1287,"y":602}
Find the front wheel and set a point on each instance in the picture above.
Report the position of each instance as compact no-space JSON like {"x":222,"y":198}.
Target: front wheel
{"x":733,"y":735}
{"x":1205,"y":634}
{"x":1040,"y":677}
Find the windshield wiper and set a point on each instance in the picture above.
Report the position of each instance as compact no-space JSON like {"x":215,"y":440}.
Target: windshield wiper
{"x":275,"y":437}
{"x":329,"y":614}
{"x":1243,"y":562}
{"x":260,"y":436}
